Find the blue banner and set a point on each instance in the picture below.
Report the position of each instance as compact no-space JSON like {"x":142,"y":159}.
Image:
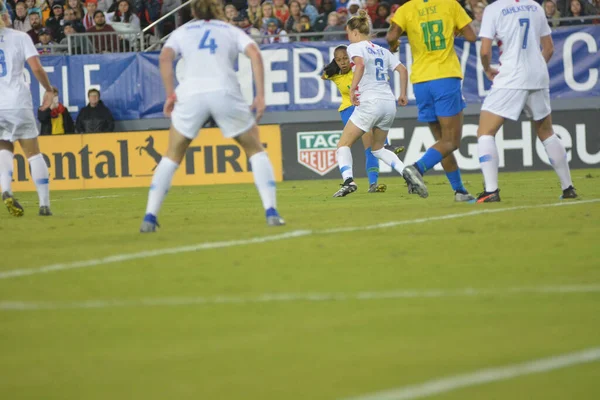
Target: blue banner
{"x":132,"y":88}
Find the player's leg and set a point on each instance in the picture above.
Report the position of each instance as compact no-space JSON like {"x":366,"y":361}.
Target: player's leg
{"x":264,"y":176}
{"x":6,"y":172}
{"x":538,"y":104}
{"x":451,"y":169}
{"x":372,"y":165}
{"x":350,"y":135}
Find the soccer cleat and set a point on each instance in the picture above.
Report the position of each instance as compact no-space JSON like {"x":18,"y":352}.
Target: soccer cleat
{"x":414,"y":180}
{"x":13,"y":206}
{"x":273,"y":218}
{"x":45,"y":211}
{"x":569,"y":193}
{"x":488,"y":197}
{"x":346,"y":188}
{"x":377,"y":188}
{"x":394,"y":149}
{"x":149,"y":224}
{"x":460,"y":196}
{"x":410,"y":188}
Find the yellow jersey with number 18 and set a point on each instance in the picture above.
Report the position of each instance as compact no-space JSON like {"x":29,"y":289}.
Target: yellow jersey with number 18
{"x":431,"y":26}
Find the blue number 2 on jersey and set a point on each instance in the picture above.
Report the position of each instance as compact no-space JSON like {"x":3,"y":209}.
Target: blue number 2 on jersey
{"x":3,"y":69}
{"x":210,"y":45}
{"x":525,"y":22}
{"x":379,"y":72}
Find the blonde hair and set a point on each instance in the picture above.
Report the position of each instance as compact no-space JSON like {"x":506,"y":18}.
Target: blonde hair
{"x":360,"y":22}
{"x":3,"y":11}
{"x":208,"y":9}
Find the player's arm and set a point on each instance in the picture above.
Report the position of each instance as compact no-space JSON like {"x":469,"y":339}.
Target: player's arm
{"x":393,"y":36}
{"x":486,"y":58}
{"x":165,"y":63}
{"x":359,"y":70}
{"x":403,"y":99}
{"x":462,"y":21}
{"x":547,"y":47}
{"x":469,"y":34}
{"x":33,"y":60}
{"x":258,"y":72}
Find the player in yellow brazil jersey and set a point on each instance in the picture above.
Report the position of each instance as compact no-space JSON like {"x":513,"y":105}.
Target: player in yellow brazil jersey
{"x":436,"y":77}
{"x":339,"y":71}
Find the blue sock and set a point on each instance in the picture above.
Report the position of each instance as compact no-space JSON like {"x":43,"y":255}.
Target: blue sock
{"x":456,"y":181}
{"x":429,"y":160}
{"x":372,"y":166}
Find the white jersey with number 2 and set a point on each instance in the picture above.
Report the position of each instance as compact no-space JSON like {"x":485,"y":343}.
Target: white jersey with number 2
{"x":518,"y":26}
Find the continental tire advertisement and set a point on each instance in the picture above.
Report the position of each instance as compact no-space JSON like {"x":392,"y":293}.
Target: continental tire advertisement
{"x":115,"y":160}
{"x":309,"y":149}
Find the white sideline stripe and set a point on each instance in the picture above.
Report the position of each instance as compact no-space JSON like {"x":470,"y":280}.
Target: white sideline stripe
{"x":486,"y":375}
{"x":264,"y":239}
{"x":297,"y":297}
{"x":78,"y":198}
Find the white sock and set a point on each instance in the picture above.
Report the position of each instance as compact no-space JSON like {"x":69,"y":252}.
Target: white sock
{"x":41,"y":178}
{"x":488,"y":160}
{"x":161,"y":182}
{"x":344,"y":157}
{"x":390,"y":159}
{"x":558,"y":158}
{"x":6,"y":171}
{"x":264,"y":179}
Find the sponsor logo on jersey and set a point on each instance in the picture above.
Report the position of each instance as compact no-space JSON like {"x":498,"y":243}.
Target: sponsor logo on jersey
{"x":317,"y":150}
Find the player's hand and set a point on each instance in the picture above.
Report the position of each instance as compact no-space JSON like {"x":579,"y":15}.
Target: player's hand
{"x":258,"y":106}
{"x":47,"y":100}
{"x":394,"y":46}
{"x":403,"y":101}
{"x":169,"y":105}
{"x":354,"y":97}
{"x":491,"y":73}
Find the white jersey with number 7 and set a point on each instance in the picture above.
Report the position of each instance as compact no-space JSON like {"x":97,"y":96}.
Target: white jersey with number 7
{"x":518,"y":26}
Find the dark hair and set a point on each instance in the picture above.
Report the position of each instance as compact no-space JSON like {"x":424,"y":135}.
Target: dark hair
{"x":208,"y":9}
{"x":332,"y":68}
{"x":98,"y":12}
{"x":93,"y":91}
{"x":122,"y":18}
{"x":360,"y":22}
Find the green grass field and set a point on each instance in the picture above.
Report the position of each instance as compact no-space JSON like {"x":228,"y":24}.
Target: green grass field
{"x":323,"y":313}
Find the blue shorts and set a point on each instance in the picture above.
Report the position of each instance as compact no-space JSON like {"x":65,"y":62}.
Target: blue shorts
{"x":439,"y":98}
{"x":346,"y":113}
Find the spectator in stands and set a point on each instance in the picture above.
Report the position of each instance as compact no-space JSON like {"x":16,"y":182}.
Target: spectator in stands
{"x":46,"y":43}
{"x":564,"y":8}
{"x":71,"y":16}
{"x":308,"y":9}
{"x":243,"y":22}
{"x":303,"y":26}
{"x":168,"y":25}
{"x":353,"y":7}
{"x":90,"y":6}
{"x":254,"y":12}
{"x":230,"y":13}
{"x":381,"y":20}
{"x":124,"y":21}
{"x":341,"y":4}
{"x":371,"y":7}
{"x":325,"y":8}
{"x":102,"y":43}
{"x":149,"y":11}
{"x":55,"y":119}
{"x":79,"y":44}
{"x":274,"y":33}
{"x":294,"y":17}
{"x":77,"y":7}
{"x":35,"y":20}
{"x":30,"y":4}
{"x":21,"y":21}
{"x":334,"y":25}
{"x":54,"y":23}
{"x":552,"y":13}
{"x":95,"y":117}
{"x":267,"y":14}
{"x":281,"y":10}
{"x":478,"y":16}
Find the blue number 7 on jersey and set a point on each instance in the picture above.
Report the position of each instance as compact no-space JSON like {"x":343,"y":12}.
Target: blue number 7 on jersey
{"x":211,"y":43}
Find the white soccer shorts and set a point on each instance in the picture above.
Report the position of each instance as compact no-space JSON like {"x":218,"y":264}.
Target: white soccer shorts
{"x":228,"y":109}
{"x":374,"y":114}
{"x":18,"y":124}
{"x":509,"y":103}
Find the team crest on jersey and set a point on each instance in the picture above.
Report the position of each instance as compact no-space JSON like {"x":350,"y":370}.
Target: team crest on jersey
{"x":316,"y":150}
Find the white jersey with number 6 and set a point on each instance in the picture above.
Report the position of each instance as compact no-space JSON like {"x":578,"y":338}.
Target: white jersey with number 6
{"x":209,"y":86}
{"x":518,"y":26}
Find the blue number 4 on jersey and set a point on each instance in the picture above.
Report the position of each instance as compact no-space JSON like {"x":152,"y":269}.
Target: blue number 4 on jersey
{"x":210,"y":45}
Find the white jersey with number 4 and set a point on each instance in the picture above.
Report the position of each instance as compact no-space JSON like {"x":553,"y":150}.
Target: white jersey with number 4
{"x":378,"y":61}
{"x":210,"y":50}
{"x":15,"y":49}
{"x":518,"y":26}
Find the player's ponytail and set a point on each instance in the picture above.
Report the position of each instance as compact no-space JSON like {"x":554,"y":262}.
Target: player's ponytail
{"x":332,"y":68}
{"x":360,"y":22}
{"x":208,"y":9}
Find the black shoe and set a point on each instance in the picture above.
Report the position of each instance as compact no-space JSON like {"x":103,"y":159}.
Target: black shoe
{"x":45,"y":211}
{"x":488,"y":197}
{"x":569,"y":193}
{"x":414,"y":180}
{"x":346,"y":188}
{"x":394,"y":149}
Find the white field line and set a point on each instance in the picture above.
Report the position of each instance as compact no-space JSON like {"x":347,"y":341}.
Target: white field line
{"x":487,"y":375}
{"x":299,"y":297}
{"x":263,"y":239}
{"x":77,"y":198}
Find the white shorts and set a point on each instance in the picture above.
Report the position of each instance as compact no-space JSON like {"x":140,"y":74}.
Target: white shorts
{"x":509,"y":103}
{"x":374,"y":114}
{"x":18,"y":124}
{"x":228,"y":109}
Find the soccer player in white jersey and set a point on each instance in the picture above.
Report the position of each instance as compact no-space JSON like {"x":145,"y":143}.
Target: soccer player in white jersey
{"x":17,"y":122}
{"x":521,"y":82}
{"x":209,"y":88}
{"x":375,"y":104}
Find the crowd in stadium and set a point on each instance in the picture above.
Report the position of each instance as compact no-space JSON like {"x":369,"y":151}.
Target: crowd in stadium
{"x":49,"y":22}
